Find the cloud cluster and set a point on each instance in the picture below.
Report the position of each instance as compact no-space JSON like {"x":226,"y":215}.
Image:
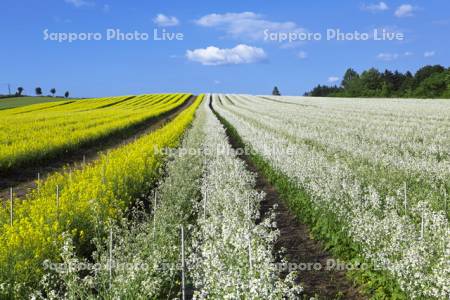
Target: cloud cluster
{"x":429,"y":53}
{"x":246,"y":25}
{"x":393,"y":56}
{"x":79,"y":3}
{"x":405,"y":10}
{"x":381,"y":6}
{"x":162,"y":20}
{"x":388,"y":56}
{"x":213,"y":56}
{"x":333,"y":79}
{"x":302,"y":55}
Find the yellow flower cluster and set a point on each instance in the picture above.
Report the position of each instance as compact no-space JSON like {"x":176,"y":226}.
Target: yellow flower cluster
{"x":40,"y":132}
{"x":87,"y":199}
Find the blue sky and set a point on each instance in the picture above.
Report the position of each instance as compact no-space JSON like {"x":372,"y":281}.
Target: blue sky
{"x":224,"y":48}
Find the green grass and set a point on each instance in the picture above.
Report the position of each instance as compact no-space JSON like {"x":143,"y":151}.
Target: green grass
{"x":7,"y":103}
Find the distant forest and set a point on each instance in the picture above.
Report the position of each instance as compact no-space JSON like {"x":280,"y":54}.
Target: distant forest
{"x":428,"y":82}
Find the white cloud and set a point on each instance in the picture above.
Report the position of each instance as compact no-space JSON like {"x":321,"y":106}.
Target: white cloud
{"x":213,"y":56}
{"x":387,"y":56}
{"x":212,"y":20}
{"x":429,"y":53}
{"x":333,"y":79}
{"x":302,"y":55}
{"x":106,"y":8}
{"x":405,"y":10}
{"x":408,"y":53}
{"x":165,"y":21}
{"x":79,"y":3}
{"x":381,"y":6}
{"x":217,"y":82}
{"x":246,"y":25}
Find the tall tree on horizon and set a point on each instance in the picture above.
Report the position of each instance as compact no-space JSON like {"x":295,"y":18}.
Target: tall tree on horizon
{"x":20,"y":91}
{"x":38,"y":91}
{"x":276,"y":92}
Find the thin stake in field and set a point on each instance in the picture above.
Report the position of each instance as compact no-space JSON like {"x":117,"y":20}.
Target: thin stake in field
{"x":57,"y":201}
{"x":445,"y":200}
{"x":38,"y":182}
{"x":204,"y":203}
{"x":12,"y":205}
{"x":405,"y":199}
{"x":154,"y":215}
{"x":110,"y":256}
{"x":249,"y":235}
{"x":183,"y":289}
{"x":422,"y":226}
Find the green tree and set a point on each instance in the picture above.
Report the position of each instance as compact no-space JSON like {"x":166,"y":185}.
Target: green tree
{"x":371,"y":82}
{"x":434,"y":86}
{"x":38,"y":91}
{"x":425,"y":72}
{"x":53,"y":91}
{"x":19,"y":91}
{"x":276,"y":92}
{"x":66,"y":94}
{"x":386,"y":90}
{"x":349,"y":76}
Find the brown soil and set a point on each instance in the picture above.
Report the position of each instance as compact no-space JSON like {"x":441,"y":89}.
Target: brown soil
{"x":24,"y":179}
{"x":299,"y":247}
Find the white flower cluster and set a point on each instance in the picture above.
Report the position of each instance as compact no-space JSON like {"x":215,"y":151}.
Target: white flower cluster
{"x":228,"y":255}
{"x":232,"y":255}
{"x":403,"y":233}
{"x":400,"y":140}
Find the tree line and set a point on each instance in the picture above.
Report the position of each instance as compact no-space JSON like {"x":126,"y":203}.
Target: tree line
{"x":427,"y":82}
{"x":38,"y":92}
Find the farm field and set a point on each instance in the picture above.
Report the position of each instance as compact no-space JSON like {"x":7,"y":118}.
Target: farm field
{"x":374,"y":177}
{"x":201,"y":207}
{"x":36,"y":133}
{"x":13,"y":102}
{"x":85,"y":200}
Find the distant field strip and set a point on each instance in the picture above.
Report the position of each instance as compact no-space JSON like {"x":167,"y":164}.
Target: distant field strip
{"x":42,"y":131}
{"x":8,"y":103}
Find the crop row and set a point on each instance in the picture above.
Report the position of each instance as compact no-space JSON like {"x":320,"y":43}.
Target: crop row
{"x":79,"y":204}
{"x":233,"y":254}
{"x":401,"y":232}
{"x":40,"y":132}
{"x":208,"y":192}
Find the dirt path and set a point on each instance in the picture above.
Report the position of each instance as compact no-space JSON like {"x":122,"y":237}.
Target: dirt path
{"x":23,"y":180}
{"x":300,"y":249}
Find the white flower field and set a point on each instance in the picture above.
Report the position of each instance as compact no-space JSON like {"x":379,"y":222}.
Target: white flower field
{"x":380,"y":169}
{"x":247,"y":197}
